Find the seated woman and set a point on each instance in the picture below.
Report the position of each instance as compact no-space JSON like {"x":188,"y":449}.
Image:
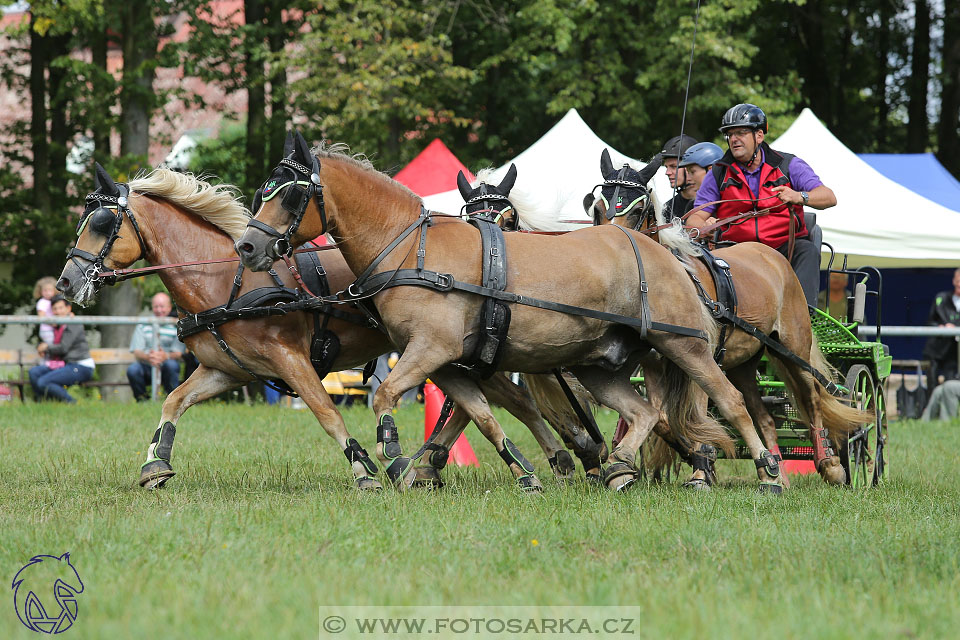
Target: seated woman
{"x":70,"y":347}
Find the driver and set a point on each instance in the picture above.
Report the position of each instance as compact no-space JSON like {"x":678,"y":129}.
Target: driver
{"x":753,"y":177}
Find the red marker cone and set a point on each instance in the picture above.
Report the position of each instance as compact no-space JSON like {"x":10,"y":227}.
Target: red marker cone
{"x":461,"y":453}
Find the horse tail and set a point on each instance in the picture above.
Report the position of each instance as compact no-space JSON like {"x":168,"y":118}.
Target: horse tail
{"x":686,"y":407}
{"x":838,"y":417}
{"x":658,"y":454}
{"x":553,"y":405}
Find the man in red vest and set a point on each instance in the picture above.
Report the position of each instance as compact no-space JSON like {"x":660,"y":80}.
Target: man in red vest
{"x":753,"y":177}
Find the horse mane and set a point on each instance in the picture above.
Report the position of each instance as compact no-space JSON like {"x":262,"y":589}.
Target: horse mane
{"x":341,"y":151}
{"x":220,"y":205}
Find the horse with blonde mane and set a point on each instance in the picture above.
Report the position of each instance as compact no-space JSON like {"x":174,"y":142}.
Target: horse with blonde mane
{"x":769,"y":297}
{"x":601,"y":331}
{"x":169,"y":218}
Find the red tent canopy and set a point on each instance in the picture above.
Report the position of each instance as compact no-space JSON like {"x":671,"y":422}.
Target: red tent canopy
{"x":434,"y":170}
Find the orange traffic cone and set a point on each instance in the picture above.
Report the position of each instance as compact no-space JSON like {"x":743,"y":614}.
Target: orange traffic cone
{"x":461,"y":452}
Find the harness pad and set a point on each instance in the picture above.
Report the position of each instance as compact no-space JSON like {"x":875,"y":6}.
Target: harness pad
{"x":495,"y":315}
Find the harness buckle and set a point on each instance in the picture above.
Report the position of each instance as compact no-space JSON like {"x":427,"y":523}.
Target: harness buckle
{"x":643,"y":286}
{"x":223,"y":345}
{"x":445,"y":281}
{"x":352,"y":291}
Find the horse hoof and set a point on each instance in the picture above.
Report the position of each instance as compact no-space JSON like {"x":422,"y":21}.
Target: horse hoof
{"x":832,"y":471}
{"x":529,"y":484}
{"x":366,"y":483}
{"x":772,"y":488}
{"x":401,"y":473}
{"x":155,"y":474}
{"x":697,"y":484}
{"x":427,"y":477}
{"x":619,"y":475}
{"x":563,"y":467}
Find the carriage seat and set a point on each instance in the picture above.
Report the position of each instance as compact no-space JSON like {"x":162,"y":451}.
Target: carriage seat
{"x":814,"y":232}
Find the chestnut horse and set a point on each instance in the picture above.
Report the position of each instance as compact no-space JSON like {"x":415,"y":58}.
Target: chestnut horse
{"x":179,"y":219}
{"x":770,"y":298}
{"x":384,"y":233}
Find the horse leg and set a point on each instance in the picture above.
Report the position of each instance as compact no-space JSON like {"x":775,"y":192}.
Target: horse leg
{"x":694,"y":358}
{"x":556,"y":409}
{"x":744,"y":378}
{"x":701,"y":456}
{"x":435,"y":458}
{"x":804,"y":389}
{"x":408,"y":373}
{"x":299,"y":373}
{"x":202,"y":384}
{"x":499,"y":390}
{"x":615,"y":391}
{"x":468,"y":397}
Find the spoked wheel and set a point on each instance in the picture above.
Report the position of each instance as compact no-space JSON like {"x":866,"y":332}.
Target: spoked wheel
{"x":859,"y":453}
{"x":880,"y":459}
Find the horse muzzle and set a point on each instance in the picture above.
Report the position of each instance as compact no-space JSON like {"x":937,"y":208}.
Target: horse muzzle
{"x":257,"y":250}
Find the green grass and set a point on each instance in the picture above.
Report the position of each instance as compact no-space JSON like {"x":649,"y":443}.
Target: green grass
{"x":261,"y":526}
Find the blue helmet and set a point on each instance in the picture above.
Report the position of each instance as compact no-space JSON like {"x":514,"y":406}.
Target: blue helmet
{"x":702,"y":153}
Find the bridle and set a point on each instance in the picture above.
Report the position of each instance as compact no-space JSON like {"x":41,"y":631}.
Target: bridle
{"x":104,"y":221}
{"x":486,"y":207}
{"x":621,"y":182}
{"x":297,"y":196}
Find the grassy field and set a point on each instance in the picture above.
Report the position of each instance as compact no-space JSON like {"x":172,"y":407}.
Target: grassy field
{"x":261,"y":527}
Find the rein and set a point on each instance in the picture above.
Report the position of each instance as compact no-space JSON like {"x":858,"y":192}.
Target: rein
{"x":118,"y":275}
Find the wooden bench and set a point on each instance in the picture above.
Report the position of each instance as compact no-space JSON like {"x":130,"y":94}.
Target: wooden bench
{"x":27,"y":358}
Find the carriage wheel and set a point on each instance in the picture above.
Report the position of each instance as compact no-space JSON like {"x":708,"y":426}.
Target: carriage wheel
{"x":861,"y":446}
{"x":881,"y":462}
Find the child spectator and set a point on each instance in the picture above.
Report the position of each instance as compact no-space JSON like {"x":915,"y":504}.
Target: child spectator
{"x":43,"y":292}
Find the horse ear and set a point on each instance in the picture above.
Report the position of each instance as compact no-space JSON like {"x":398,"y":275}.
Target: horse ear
{"x":509,"y":180}
{"x":303,"y":149}
{"x":606,"y":164}
{"x":588,"y":201}
{"x":288,"y":145}
{"x":103,"y":182}
{"x":463,"y":185}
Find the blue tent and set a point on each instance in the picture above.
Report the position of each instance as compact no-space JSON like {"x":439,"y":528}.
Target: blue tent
{"x":922,"y":173}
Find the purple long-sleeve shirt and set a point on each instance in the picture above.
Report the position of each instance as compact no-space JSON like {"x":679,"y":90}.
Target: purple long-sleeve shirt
{"x":802,"y":178}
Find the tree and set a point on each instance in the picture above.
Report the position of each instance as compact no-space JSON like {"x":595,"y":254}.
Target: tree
{"x":948,"y":130}
{"x":918,"y":131}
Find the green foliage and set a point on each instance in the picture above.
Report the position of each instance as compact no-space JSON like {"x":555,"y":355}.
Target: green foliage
{"x":218,"y":158}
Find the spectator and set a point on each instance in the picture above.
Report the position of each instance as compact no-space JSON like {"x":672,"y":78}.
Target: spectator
{"x":166,"y":357}
{"x":942,"y":350}
{"x":43,"y":293}
{"x":69,"y":345}
{"x":835,"y":299}
{"x":944,"y":402}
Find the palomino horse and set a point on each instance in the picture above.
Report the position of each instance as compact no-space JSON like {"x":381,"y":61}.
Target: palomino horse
{"x":768,"y":296}
{"x":603,"y":331}
{"x":174,"y":218}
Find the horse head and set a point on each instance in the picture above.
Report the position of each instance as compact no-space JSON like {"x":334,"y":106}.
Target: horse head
{"x":108,"y":237}
{"x":623,"y":194}
{"x":290,"y":192}
{"x":490,"y":201}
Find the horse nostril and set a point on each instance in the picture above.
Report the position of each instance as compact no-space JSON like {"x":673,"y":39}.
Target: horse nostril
{"x":245,"y":248}
{"x":63,"y":284}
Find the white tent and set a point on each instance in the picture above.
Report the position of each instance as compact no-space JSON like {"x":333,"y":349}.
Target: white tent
{"x":561,"y":166}
{"x":876,"y":221}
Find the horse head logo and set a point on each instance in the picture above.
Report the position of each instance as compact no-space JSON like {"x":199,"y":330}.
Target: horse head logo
{"x":45,"y":593}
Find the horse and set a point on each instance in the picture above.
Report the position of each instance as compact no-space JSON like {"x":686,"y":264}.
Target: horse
{"x":768,"y":296}
{"x":600,"y":332}
{"x":171,"y":218}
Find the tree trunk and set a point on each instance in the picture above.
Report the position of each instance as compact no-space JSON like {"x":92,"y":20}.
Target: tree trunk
{"x":278,"y":83}
{"x":256,"y":165}
{"x":948,"y":135}
{"x":880,"y":88}
{"x":139,"y":44}
{"x":101,"y":133}
{"x":813,"y":64}
{"x":918,"y":135}
{"x":60,"y":133}
{"x":38,"y":119}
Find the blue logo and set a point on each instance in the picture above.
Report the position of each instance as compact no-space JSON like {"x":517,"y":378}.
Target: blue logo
{"x":45,"y":593}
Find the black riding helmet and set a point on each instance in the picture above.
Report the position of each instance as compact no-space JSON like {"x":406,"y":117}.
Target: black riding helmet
{"x":676,"y":146}
{"x":749,"y":116}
